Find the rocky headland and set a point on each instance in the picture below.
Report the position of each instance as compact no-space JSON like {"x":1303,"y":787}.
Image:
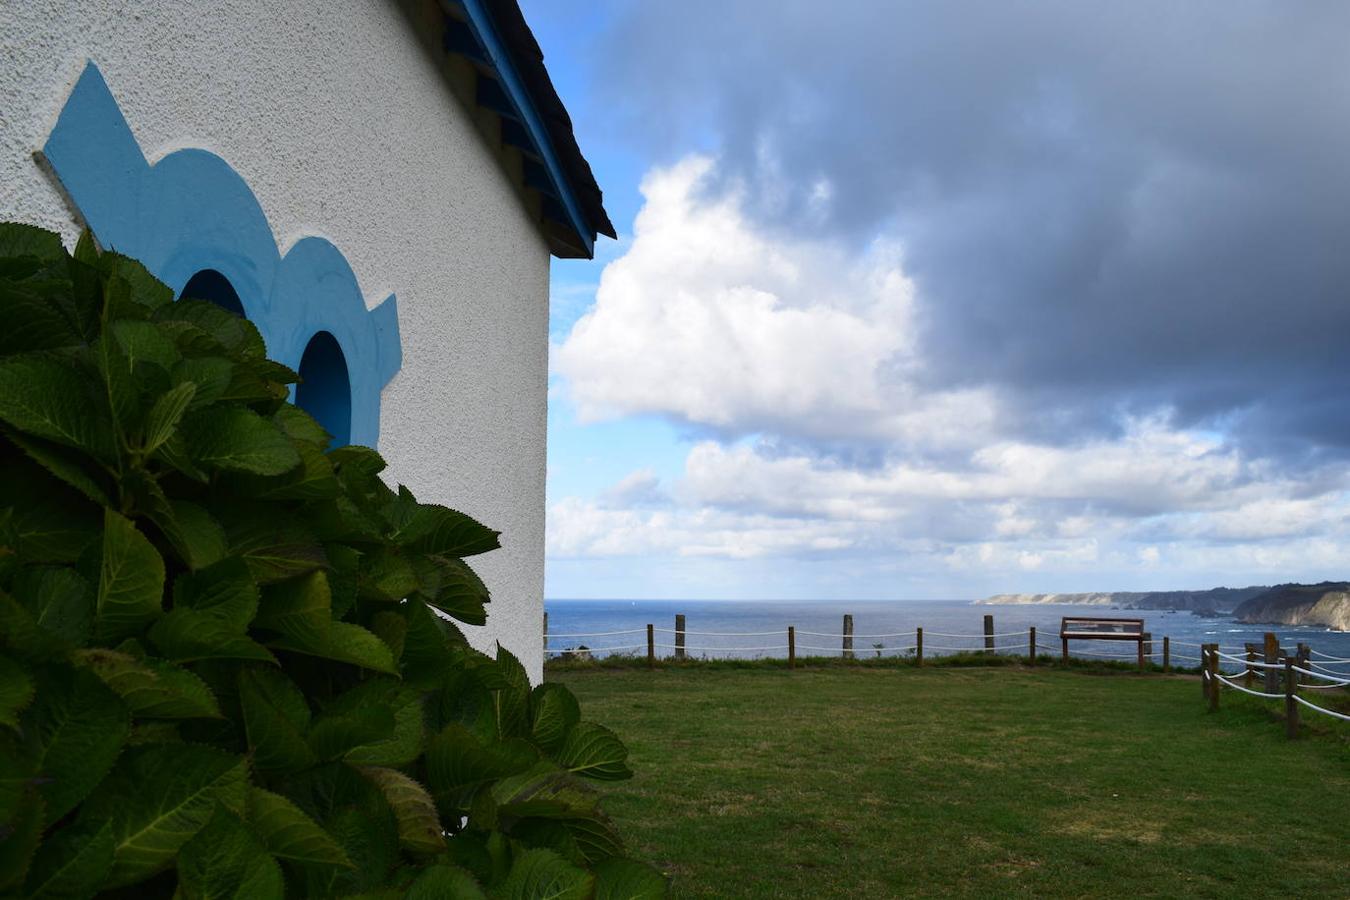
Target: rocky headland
{"x":1326,"y":604}
{"x":1221,"y":600}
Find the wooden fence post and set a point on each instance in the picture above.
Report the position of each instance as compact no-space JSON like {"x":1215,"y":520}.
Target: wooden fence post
{"x":545,"y":635}
{"x":848,"y":636}
{"x":1272,"y":653}
{"x":651,"y":646}
{"x":1145,"y":648}
{"x":1031,"y":645}
{"x":1167,"y":654}
{"x":1251,"y":670}
{"x":679,"y":636}
{"x":989,"y":632}
{"x":1303,"y":656}
{"x":1214,"y":678}
{"x":1204,"y":667}
{"x":918,"y":645}
{"x":1290,"y":704}
{"x":792,"y":647}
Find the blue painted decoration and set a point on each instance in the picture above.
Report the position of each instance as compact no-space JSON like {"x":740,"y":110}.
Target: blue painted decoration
{"x":190,"y":219}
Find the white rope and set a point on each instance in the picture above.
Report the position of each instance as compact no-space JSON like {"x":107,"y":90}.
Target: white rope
{"x":596,"y":633}
{"x":722,"y":649}
{"x":1322,"y":668}
{"x":722,"y":633}
{"x":1339,"y":659}
{"x":597,"y":649}
{"x":828,"y":634}
{"x":1322,"y":709}
{"x":980,"y":635}
{"x":1339,"y":681}
{"x":1251,"y":663}
{"x":892,"y":634}
{"x":1238,"y":687}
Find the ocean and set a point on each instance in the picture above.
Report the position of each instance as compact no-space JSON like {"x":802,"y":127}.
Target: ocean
{"x":753,"y":629}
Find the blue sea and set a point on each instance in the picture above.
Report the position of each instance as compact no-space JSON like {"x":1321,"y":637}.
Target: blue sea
{"x":754,"y":629}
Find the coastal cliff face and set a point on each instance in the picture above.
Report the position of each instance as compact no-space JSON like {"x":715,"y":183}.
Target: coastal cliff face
{"x":1216,"y":599}
{"x":1326,"y":604}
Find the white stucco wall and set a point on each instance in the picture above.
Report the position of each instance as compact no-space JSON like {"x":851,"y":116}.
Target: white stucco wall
{"x":342,"y":126}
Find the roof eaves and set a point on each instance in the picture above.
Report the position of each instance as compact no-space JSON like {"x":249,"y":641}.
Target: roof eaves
{"x":494,"y":36}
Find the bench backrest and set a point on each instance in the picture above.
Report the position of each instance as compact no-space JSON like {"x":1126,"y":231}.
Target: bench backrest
{"x":1089,"y":626}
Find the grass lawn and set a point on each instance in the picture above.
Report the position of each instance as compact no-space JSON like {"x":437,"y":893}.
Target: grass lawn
{"x":869,"y":782}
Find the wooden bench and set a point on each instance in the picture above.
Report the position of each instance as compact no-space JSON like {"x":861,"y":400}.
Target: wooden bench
{"x":1089,"y":628}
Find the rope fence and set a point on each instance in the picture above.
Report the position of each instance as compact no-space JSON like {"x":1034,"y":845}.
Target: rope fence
{"x":1292,"y":672}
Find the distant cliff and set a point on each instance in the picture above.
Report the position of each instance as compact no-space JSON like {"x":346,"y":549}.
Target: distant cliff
{"x":1221,"y":599}
{"x":1326,"y":604}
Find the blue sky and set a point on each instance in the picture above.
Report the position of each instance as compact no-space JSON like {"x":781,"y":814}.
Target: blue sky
{"x":939,"y":300}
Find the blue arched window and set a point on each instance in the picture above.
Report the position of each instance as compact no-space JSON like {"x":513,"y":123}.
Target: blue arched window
{"x":325,"y":390}
{"x":208,"y":284}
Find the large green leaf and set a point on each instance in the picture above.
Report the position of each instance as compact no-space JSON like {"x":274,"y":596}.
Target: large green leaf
{"x":442,"y":882}
{"x":19,"y":838}
{"x":419,"y":825}
{"x":287,"y":832}
{"x":163,"y":418}
{"x":513,"y":698}
{"x":544,"y":875}
{"x":71,"y":863}
{"x":225,"y":590}
{"x":405,"y":743}
{"x":626,"y":879}
{"x":49,"y":399}
{"x":553,"y":711}
{"x":236,"y":334}
{"x":195,"y":535}
{"x":595,"y":752}
{"x":425,"y":644}
{"x":48,"y":521}
{"x":77,"y":726}
{"x":276,"y":718}
{"x":275,"y":546}
{"x":386,"y":576}
{"x":458,"y":763}
{"x":446,"y":532}
{"x":131,"y":579}
{"x":301,"y":426}
{"x":157,"y":798}
{"x":460,"y":592}
{"x":345,"y":642}
{"x":224,"y":861}
{"x":546,"y":791}
{"x":16,"y":691}
{"x":19,"y":239}
{"x":334,"y":734}
{"x":237,"y":440}
{"x":209,"y":375}
{"x":186,"y":635}
{"x":65,"y":465}
{"x":354,"y":811}
{"x":151,"y":689}
{"x":62,"y":602}
{"x":146,"y":289}
{"x":298,"y":609}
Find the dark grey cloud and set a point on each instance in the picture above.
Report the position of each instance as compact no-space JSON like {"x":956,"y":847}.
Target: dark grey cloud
{"x":1108,"y":207}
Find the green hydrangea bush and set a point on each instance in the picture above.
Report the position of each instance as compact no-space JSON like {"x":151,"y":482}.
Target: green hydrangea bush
{"x":222,"y":668}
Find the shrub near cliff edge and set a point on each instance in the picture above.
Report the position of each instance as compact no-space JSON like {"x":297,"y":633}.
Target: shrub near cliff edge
{"x":222,"y":668}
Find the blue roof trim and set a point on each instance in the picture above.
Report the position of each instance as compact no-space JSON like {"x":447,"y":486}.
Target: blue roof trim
{"x":480,"y":22}
{"x":191,"y":211}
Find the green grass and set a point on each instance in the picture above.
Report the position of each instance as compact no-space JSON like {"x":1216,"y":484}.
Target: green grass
{"x":974,"y":782}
